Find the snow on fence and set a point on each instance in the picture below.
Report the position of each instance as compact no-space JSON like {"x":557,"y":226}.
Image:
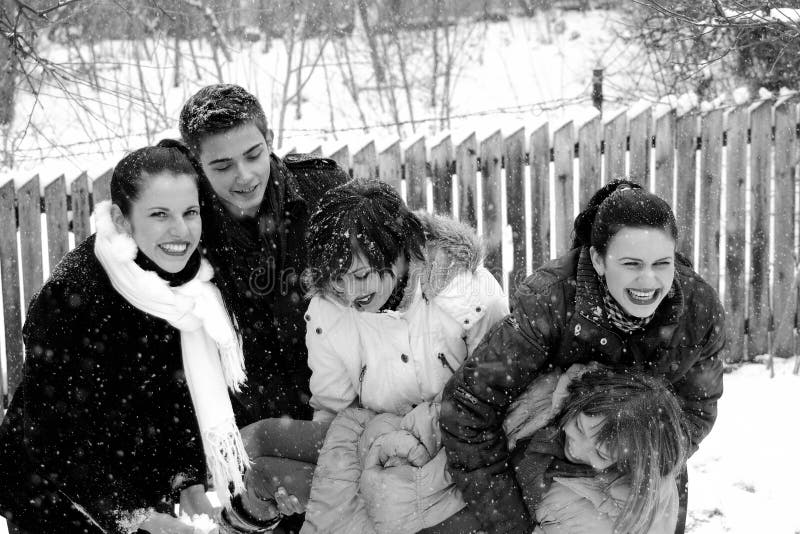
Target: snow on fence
{"x":738,"y":163}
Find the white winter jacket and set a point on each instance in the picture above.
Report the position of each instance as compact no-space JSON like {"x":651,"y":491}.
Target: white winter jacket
{"x":393,"y":360}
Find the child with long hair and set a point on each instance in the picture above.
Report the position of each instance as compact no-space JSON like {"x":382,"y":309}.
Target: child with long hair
{"x":608,"y":461}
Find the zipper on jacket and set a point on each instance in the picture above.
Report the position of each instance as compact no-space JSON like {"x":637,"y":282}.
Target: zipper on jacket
{"x":361,"y":385}
{"x":445,"y":363}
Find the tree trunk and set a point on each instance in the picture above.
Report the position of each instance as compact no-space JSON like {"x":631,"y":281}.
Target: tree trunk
{"x":9,"y":70}
{"x":380,"y":75}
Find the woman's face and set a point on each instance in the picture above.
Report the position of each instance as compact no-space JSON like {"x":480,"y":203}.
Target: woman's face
{"x":639,"y":267}
{"x":165,"y":220}
{"x":363,"y":287}
{"x":580,"y":442}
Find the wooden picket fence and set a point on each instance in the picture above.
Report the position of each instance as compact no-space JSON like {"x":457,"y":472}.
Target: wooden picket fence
{"x":744,"y":151}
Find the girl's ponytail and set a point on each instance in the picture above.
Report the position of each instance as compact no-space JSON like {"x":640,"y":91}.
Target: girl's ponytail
{"x":584,"y":222}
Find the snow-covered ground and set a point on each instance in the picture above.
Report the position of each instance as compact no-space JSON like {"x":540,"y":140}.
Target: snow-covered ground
{"x":744,"y":479}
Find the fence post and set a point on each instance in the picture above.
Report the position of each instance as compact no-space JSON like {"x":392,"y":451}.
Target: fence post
{"x":760,"y":148}
{"x":390,"y":166}
{"x":491,"y":160}
{"x":514,"y":153}
{"x":563,"y":159}
{"x":539,"y":159}
{"x":735,"y":238}
{"x":12,"y":312}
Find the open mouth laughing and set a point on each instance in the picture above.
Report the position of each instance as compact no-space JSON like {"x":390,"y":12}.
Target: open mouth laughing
{"x":643,"y":297}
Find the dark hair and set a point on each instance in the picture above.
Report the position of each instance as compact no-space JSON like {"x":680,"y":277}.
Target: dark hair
{"x":219,"y":108}
{"x":645,"y":431}
{"x":131,"y":172}
{"x":360,"y":216}
{"x":616,"y":205}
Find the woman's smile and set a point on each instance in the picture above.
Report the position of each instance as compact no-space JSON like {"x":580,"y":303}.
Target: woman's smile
{"x":643,"y":297}
{"x":175,"y":248}
{"x":364,"y":300}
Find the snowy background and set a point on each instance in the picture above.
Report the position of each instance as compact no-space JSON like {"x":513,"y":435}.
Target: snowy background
{"x":506,"y":74}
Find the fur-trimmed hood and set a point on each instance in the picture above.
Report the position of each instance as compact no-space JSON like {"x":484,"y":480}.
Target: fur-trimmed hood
{"x":450,"y":247}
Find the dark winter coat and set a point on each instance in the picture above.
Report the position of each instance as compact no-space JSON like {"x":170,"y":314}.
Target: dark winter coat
{"x":558,"y":319}
{"x":103,"y":417}
{"x":258,"y":265}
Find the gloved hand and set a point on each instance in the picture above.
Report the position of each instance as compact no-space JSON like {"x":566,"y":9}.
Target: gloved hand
{"x":423,"y":423}
{"x":394,"y":448}
{"x":405,"y":499}
{"x":541,"y":402}
{"x":276,"y":485}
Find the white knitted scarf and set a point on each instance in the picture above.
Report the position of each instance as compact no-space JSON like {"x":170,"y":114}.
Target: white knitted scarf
{"x":211,"y":350}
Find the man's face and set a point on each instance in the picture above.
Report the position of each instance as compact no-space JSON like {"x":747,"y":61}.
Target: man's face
{"x":237,"y":165}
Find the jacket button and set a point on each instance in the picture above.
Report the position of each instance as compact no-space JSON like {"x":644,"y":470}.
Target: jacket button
{"x":603,"y":341}
{"x":466,"y":321}
{"x":318,"y":330}
{"x":478,"y":309}
{"x":404,"y":357}
{"x":308,"y":317}
{"x":577,"y":329}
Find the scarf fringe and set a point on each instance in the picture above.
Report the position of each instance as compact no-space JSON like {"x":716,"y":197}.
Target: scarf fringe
{"x":232,"y":366}
{"x":227,"y":460}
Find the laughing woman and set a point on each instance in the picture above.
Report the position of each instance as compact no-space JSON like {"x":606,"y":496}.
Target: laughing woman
{"x":129,"y":355}
{"x":622,"y":297}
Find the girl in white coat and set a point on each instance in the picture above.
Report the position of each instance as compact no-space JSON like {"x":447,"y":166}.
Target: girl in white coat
{"x":399,"y":299}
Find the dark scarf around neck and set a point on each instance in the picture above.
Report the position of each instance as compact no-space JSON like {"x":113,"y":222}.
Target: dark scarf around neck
{"x":175,"y":279}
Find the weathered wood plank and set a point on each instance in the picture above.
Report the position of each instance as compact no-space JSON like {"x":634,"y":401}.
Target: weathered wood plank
{"x":365,"y":162}
{"x":12,"y":311}
{"x":491,"y":151}
{"x":591,"y":170}
{"x":55,"y":207}
{"x":665,"y":156}
{"x":30,"y":237}
{"x":539,"y":158}
{"x":342,"y":158}
{"x":710,"y":195}
{"x":615,"y":133}
{"x":467,"y":174}
{"x":563,"y":159}
{"x":640,"y":142}
{"x":515,"y":205}
{"x":416,"y":175}
{"x":390,"y":166}
{"x":786,"y":152}
{"x":441,"y":158}
{"x":81,"y":208}
{"x":735,"y":236}
{"x":101,"y":187}
{"x":760,"y":141}
{"x":686,"y":128}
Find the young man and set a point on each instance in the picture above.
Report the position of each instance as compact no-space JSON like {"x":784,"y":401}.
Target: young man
{"x":255,"y":210}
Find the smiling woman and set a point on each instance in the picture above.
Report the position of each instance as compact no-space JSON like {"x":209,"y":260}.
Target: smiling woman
{"x":622,"y":296}
{"x":130,"y":354}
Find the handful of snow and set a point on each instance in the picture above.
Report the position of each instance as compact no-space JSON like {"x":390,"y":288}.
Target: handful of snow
{"x":201,"y":523}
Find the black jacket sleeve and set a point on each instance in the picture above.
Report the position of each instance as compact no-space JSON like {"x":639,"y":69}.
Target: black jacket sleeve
{"x":68,"y":397}
{"x":477,"y":396}
{"x":701,"y":387}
